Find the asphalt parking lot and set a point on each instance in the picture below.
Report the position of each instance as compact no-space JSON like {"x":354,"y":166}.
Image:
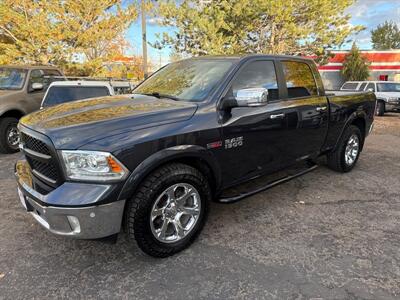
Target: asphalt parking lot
{"x":324,"y":235}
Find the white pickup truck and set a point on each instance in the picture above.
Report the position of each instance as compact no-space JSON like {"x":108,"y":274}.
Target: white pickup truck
{"x":387,"y":93}
{"x":72,"y":90}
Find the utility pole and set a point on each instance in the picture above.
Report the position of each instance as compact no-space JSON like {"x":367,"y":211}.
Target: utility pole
{"x":144,"y":38}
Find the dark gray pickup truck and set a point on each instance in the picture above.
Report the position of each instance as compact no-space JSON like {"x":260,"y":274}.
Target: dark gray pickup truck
{"x":152,"y":161}
{"x":21,"y":92}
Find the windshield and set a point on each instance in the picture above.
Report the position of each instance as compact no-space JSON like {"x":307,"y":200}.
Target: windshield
{"x":62,"y":94}
{"x":12,"y":79}
{"x":188,"y":80}
{"x":388,"y":87}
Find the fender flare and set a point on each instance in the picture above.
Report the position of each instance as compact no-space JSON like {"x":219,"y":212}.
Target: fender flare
{"x":355,"y":115}
{"x":164,"y":156}
{"x":6,"y":109}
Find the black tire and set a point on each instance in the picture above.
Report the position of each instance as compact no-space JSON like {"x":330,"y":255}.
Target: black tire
{"x":7,"y":124}
{"x":336,"y":159}
{"x":138,"y":210}
{"x":380,"y":108}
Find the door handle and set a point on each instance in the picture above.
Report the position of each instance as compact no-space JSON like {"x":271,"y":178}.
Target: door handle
{"x":277,"y":116}
{"x":321,"y":108}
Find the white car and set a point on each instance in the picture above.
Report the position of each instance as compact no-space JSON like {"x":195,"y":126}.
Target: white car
{"x":66,"y":91}
{"x":387,"y":93}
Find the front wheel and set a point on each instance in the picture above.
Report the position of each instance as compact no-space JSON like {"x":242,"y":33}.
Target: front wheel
{"x":380,"y":108}
{"x":169,"y":210}
{"x":345,"y":156}
{"x":9,"y":135}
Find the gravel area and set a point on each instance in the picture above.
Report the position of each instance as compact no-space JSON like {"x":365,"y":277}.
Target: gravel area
{"x":323,"y":235}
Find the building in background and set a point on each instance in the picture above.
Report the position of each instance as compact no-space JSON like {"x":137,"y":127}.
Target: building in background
{"x":385,"y":65}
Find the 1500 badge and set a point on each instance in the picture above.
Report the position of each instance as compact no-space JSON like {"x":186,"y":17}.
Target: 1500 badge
{"x":233,"y":143}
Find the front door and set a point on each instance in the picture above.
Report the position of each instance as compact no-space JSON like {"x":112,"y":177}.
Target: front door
{"x":256,"y":139}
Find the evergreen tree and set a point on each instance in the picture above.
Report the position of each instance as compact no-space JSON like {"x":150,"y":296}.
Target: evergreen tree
{"x":386,"y":36}
{"x":355,"y":65}
{"x":255,"y":26}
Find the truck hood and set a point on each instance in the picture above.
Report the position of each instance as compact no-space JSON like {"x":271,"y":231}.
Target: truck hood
{"x":6,"y":93}
{"x":74,"y":124}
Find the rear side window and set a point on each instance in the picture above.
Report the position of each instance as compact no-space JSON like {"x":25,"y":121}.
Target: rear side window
{"x":362,"y":86}
{"x":371,"y":86}
{"x":350,"y":86}
{"x":299,"y":79}
{"x":257,"y":74}
{"x":62,"y":94}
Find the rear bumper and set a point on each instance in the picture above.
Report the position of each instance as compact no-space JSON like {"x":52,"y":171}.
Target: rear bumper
{"x":84,"y":222}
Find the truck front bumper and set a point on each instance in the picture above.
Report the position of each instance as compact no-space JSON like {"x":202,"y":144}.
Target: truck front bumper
{"x":392,"y":106}
{"x":84,"y":222}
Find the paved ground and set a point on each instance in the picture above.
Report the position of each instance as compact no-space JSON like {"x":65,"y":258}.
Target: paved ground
{"x":324,"y":235}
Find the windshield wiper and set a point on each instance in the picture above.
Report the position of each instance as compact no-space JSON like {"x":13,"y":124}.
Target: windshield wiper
{"x":159,"y":96}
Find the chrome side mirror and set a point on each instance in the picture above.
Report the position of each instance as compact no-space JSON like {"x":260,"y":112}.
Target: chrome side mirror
{"x":37,"y":86}
{"x":251,"y":97}
{"x":370,"y":90}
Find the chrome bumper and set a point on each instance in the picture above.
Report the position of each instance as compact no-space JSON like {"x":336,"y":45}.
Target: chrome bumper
{"x":85,"y":223}
{"x":390,"y":106}
{"x":71,"y":209}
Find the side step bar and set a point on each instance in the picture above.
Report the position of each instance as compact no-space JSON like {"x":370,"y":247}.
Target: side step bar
{"x":241,"y":196}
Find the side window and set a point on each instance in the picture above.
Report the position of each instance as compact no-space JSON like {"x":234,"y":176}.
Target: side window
{"x":299,"y":79}
{"x":257,"y":74}
{"x":50,"y":76}
{"x":350,"y":86}
{"x":37,"y":76}
{"x":362,"y":86}
{"x":371,"y":86}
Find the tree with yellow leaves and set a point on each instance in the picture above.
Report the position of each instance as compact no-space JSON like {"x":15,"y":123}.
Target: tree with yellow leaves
{"x":58,"y":32}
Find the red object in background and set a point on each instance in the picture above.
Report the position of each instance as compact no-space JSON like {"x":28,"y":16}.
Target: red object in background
{"x":384,"y":77}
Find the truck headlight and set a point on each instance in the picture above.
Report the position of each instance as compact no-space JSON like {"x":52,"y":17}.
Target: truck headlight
{"x":92,"y":166}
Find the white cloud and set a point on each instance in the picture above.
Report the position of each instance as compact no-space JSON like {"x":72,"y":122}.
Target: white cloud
{"x":370,"y":13}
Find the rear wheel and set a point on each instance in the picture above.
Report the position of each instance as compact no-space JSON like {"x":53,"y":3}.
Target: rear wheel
{"x":9,"y":135}
{"x":380,"y":108}
{"x":345,"y":156}
{"x":169,"y":210}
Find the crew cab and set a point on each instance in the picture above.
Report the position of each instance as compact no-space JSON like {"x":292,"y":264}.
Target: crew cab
{"x":21,"y":92}
{"x":386,"y":92}
{"x":151,"y":162}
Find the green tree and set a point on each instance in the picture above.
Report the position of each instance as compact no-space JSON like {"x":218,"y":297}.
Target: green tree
{"x":58,"y":31}
{"x":255,"y":26}
{"x":355,"y":65}
{"x":386,"y":36}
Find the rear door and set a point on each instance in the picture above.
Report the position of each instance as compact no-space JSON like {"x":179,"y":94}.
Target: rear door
{"x":307,"y":107}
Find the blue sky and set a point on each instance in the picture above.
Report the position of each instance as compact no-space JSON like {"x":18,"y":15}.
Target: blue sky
{"x":369,"y":13}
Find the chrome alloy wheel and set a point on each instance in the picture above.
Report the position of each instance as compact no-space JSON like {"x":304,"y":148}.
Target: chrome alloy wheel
{"x":352,"y":148}
{"x":175,"y":213}
{"x":13,"y":136}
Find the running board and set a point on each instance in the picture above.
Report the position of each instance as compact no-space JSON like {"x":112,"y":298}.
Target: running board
{"x":265,"y":187}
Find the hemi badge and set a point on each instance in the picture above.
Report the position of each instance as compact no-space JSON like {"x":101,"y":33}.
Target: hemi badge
{"x":214,"y":145}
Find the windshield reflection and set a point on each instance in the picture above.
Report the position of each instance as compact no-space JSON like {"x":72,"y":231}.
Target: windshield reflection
{"x":188,"y":80}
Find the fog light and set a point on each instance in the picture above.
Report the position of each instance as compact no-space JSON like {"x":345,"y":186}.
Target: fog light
{"x":74,"y":223}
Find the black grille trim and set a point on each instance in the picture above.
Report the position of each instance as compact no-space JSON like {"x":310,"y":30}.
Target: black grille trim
{"x":42,"y":158}
{"x":34,"y":144}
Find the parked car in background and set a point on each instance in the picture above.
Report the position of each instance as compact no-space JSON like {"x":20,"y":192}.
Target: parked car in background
{"x":67,"y":91}
{"x":21,"y":92}
{"x":387,"y":93}
{"x":85,"y":88}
